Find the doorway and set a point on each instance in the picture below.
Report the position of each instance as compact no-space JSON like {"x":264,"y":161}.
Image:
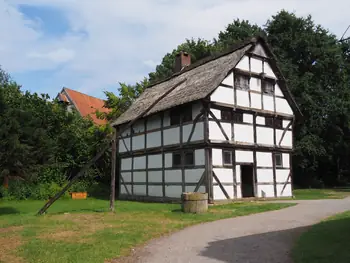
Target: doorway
{"x":247,"y":181}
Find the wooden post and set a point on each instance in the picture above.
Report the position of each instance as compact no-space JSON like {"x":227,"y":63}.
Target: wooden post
{"x":113,"y":170}
{"x":105,"y":148}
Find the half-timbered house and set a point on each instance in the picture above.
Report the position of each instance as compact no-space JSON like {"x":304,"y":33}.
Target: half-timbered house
{"x":225,"y":127}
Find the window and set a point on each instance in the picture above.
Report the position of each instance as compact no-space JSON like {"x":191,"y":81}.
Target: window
{"x":226,"y":115}
{"x":183,"y":114}
{"x":227,"y":157}
{"x":242,"y":82}
{"x":278,"y":123}
{"x":237,"y":117}
{"x":269,"y":122}
{"x":268,"y":86}
{"x":176,"y":159}
{"x":189,"y":158}
{"x":278,"y":159}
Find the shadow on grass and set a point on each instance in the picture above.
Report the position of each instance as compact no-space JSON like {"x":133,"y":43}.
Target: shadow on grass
{"x":8,"y":211}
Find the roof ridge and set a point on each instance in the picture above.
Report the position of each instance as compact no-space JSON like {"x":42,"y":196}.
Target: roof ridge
{"x":212,"y":57}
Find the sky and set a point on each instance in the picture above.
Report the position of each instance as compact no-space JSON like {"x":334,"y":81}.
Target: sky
{"x":92,"y":45}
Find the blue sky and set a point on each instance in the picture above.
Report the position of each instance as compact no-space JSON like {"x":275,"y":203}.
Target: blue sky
{"x":92,"y":45}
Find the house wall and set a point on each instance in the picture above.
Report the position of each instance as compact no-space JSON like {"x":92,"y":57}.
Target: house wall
{"x":146,"y":164}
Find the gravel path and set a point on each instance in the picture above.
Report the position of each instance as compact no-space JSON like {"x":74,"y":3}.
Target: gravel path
{"x":259,"y":238}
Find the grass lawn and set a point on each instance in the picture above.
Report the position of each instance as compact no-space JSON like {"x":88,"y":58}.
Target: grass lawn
{"x":84,"y":231}
{"x":310,"y":194}
{"x":326,"y":242}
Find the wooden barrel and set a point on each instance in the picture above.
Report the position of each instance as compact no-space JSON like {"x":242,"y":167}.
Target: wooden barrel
{"x":194,"y":202}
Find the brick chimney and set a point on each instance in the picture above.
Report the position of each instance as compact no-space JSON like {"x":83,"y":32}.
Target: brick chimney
{"x":182,"y":60}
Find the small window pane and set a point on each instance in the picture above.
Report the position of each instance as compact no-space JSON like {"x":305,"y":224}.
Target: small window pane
{"x":174,"y":117}
{"x":187,"y":114}
{"x":226,"y":115}
{"x":189,"y":158}
{"x":278,"y":123}
{"x":278,"y":159}
{"x":238,"y":117}
{"x":227,"y":157}
{"x":268,"y":86}
{"x":269,"y":122}
{"x":242,"y":82}
{"x":176,"y":159}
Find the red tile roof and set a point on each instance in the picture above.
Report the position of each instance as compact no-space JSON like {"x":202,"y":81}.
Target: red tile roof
{"x":86,"y":105}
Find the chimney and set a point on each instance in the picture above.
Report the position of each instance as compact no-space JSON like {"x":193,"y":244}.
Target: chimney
{"x":182,"y":60}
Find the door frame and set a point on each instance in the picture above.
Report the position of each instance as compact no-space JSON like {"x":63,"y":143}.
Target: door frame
{"x":254,"y":178}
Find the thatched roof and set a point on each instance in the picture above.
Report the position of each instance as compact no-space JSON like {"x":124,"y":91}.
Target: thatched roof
{"x":201,"y":79}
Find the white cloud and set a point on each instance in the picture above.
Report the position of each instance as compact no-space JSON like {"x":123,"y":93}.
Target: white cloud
{"x":125,"y":39}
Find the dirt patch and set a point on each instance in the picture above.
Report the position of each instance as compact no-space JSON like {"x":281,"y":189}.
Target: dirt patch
{"x":8,"y":246}
{"x":10,"y":229}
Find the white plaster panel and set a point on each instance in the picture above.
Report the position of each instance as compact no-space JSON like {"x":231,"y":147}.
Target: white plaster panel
{"x":193,"y":175}
{"x":126,"y":177}
{"x":217,"y":113}
{"x":265,"y":175}
{"x":139,"y":126}
{"x":217,"y":156}
{"x":247,"y":118}
{"x":264,"y":135}
{"x":243,"y":64}
{"x":282,"y":175}
{"x":155,"y":190}
{"x":138,"y":142}
{"x":166,"y":119}
{"x":215,"y":132}
{"x":259,"y":50}
{"x":191,"y":188}
{"x":198,"y":133}
{"x":287,"y":139}
{"x":168,"y":159}
{"x":244,"y":156}
{"x":239,"y":191}
{"x":255,"y":84}
{"x":286,"y":123}
{"x":173,"y":191}
{"x":140,"y":162}
{"x":256,"y":65}
{"x":238,"y":173}
{"x":155,"y":161}
{"x":264,"y":159}
{"x":123,"y":190}
{"x":173,"y":176}
{"x":282,"y":106}
{"x":153,"y":122}
{"x":140,"y":190}
{"x":199,"y":157}
{"x":224,"y":175}
{"x":126,"y":132}
{"x":154,"y":139}
{"x":155,"y":177}
{"x":285,"y":160}
{"x":255,"y":100}
{"x":223,"y":95}
{"x":228,"y":80}
{"x":268,"y":103}
{"x":278,"y":91}
{"x":260,"y":120}
{"x":287,"y":192}
{"x":268,"y":70}
{"x":242,"y":98}
{"x":244,"y":133}
{"x":140,"y":177}
{"x":266,"y":191}
{"x":171,"y":136}
{"x":122,"y":145}
{"x":218,"y":194}
{"x":126,"y":164}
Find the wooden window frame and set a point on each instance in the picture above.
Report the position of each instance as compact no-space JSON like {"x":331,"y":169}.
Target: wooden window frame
{"x":264,"y":89}
{"x":223,"y":158}
{"x":237,"y":117}
{"x":180,"y":115}
{"x":281,"y":160}
{"x":193,"y":158}
{"x":238,"y":82}
{"x":223,"y":112}
{"x":173,"y":159}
